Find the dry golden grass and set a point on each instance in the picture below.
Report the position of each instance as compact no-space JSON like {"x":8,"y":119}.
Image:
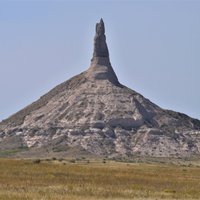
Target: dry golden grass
{"x":24,"y":180}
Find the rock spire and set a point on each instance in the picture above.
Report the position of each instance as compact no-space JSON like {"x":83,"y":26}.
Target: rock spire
{"x":100,"y":53}
{"x":100,"y":46}
{"x":100,"y":67}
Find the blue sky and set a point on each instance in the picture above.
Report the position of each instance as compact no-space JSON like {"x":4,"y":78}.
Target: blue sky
{"x":154,"y":48}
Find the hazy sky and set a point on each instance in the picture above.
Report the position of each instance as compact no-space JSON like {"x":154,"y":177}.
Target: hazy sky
{"x":154,"y":48}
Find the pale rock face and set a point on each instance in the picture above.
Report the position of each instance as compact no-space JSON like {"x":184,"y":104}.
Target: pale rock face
{"x":95,"y":112}
{"x":100,"y":68}
{"x":100,"y":46}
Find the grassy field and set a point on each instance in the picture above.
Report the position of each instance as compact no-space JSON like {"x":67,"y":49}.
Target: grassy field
{"x":83,"y":180}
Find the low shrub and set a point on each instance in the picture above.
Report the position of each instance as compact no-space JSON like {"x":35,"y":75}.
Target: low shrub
{"x":36,"y":161}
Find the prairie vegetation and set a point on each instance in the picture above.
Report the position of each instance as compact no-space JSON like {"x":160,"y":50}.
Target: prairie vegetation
{"x":61,"y":179}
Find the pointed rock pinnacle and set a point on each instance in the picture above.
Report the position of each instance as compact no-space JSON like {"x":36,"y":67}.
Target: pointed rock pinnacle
{"x":100,"y":54}
{"x":100,"y":68}
{"x":100,"y":46}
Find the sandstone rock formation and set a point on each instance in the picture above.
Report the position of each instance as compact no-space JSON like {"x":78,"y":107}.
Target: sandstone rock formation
{"x":100,"y":46}
{"x":100,"y":67}
{"x":94,"y":112}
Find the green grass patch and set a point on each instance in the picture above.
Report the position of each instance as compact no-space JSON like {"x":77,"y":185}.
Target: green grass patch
{"x":7,"y":153}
